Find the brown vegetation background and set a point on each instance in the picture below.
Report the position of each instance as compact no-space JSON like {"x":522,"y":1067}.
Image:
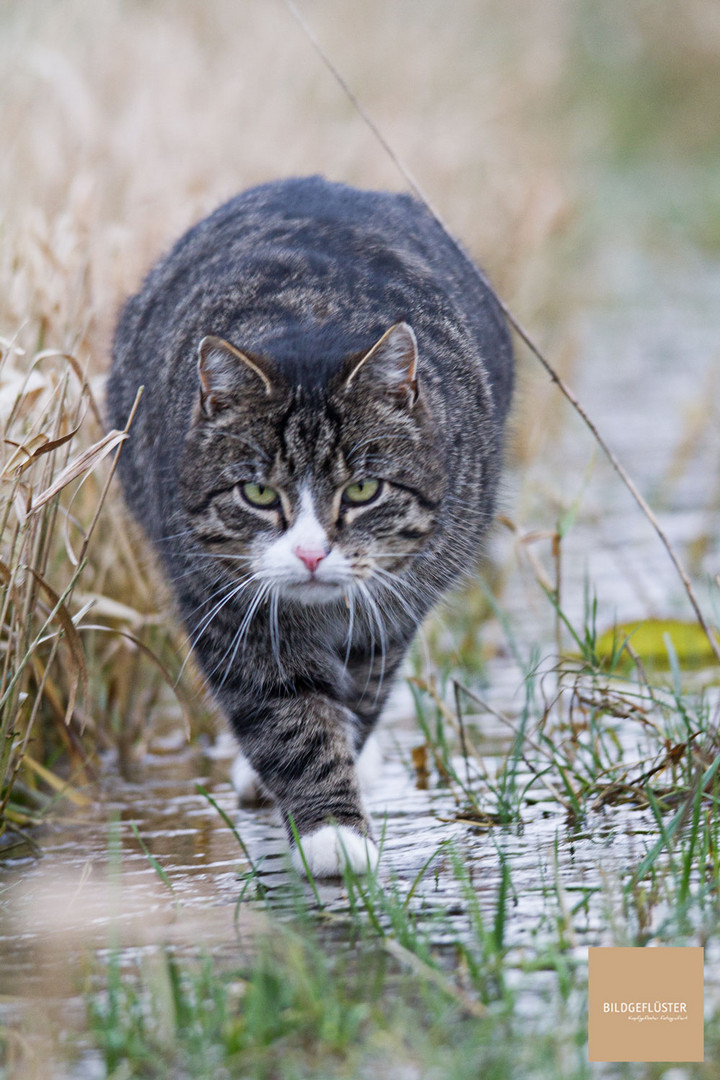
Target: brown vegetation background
{"x":544,"y":131}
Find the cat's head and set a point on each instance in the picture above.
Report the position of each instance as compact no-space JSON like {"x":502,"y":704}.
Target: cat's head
{"x":318,"y":489}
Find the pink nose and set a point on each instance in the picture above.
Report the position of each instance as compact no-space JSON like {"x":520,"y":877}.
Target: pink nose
{"x":312,"y":557}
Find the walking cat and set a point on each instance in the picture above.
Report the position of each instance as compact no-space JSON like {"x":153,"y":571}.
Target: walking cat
{"x":315,"y":457}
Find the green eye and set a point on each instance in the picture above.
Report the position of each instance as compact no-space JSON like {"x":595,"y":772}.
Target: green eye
{"x":364,"y":491}
{"x":260,"y":495}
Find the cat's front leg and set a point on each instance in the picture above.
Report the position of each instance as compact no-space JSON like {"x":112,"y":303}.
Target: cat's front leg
{"x":248,"y":786}
{"x":302,"y":749}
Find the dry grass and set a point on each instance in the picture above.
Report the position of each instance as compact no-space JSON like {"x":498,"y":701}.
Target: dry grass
{"x":122,"y":123}
{"x":76,"y":608}
{"x":125,"y":122}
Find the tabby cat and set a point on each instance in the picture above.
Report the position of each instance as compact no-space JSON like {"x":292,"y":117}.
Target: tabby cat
{"x":315,"y":458}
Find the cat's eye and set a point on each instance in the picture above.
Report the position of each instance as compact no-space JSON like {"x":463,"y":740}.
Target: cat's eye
{"x":362,"y":491}
{"x":260,"y":495}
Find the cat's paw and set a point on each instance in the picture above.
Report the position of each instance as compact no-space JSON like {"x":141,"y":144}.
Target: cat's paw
{"x":245,"y":781}
{"x":333,"y":847}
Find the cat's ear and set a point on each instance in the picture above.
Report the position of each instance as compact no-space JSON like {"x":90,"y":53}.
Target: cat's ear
{"x":223,"y":370}
{"x":391,"y":364}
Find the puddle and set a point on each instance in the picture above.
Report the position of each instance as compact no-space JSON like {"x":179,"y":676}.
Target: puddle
{"x":646,"y":364}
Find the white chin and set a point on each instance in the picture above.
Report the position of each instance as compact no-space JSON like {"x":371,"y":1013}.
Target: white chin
{"x":312,"y":592}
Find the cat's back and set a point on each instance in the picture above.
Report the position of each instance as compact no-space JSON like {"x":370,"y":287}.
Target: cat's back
{"x":262,"y":237}
{"x":311,"y":261}
{"x":314,"y":251}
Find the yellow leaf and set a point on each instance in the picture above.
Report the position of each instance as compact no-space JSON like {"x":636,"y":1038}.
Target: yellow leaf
{"x":108,"y":608}
{"x":83,"y":463}
{"x":23,"y":454}
{"x":649,"y":640}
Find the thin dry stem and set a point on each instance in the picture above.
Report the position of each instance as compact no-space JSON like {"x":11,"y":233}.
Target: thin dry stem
{"x":521,"y":332}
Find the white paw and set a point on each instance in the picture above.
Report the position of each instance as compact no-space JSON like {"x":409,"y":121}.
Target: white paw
{"x":333,"y":847}
{"x":369,"y":764}
{"x":245,"y":780}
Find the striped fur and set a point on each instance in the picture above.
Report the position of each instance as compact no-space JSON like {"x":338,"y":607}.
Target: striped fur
{"x":305,"y":338}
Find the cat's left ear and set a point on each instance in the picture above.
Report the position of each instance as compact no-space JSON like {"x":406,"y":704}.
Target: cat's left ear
{"x":391,"y":364}
{"x":224,"y":370}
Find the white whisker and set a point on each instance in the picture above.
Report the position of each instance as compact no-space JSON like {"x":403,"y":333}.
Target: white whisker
{"x":376,"y":616}
{"x":242,"y":630}
{"x":275,"y":628}
{"x":219,"y":555}
{"x":350,"y":596}
{"x":393,"y":584}
{"x":195,"y":636}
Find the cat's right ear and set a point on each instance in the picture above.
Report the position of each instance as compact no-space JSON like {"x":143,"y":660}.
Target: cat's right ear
{"x":390,"y":365}
{"x":223,"y":370}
